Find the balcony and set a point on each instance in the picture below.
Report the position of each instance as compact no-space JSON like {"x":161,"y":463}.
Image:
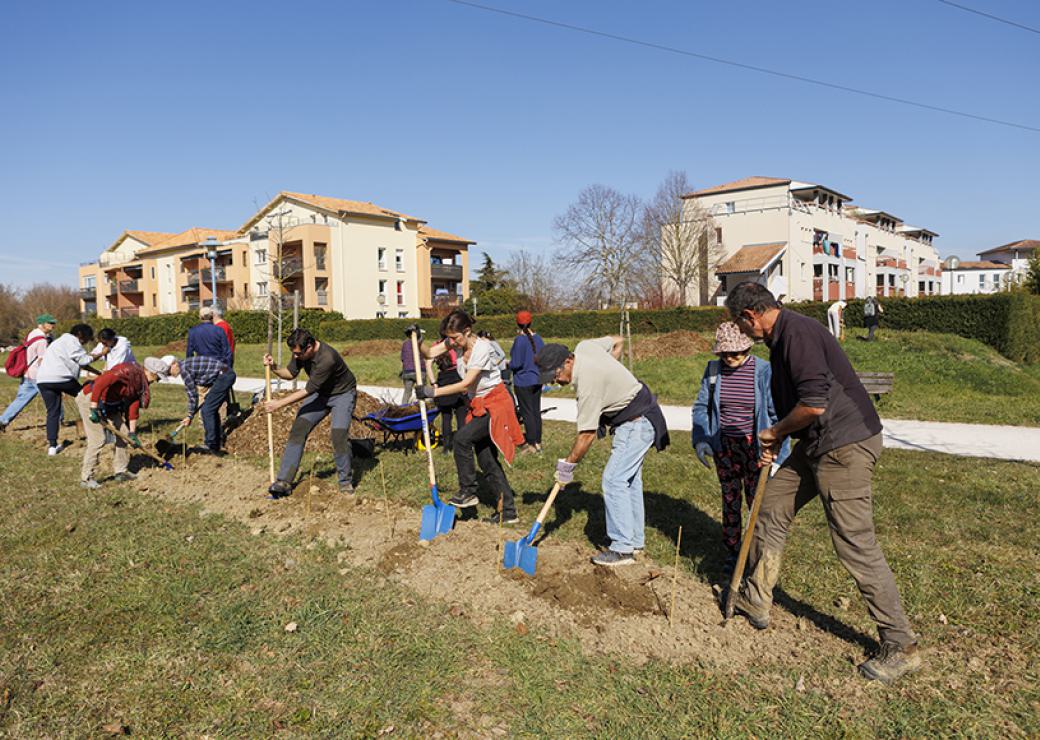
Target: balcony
{"x":291,"y":266}
{"x":891,"y":262}
{"x":122,"y":313}
{"x":88,"y":294}
{"x":129,"y":286}
{"x":833,"y":292}
{"x":446,"y":272}
{"x":207,"y":276}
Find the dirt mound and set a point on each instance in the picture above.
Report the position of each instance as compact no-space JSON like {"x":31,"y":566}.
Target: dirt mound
{"x":370,"y":347}
{"x":672,"y":344}
{"x":584,"y":592}
{"x":177,"y":347}
{"x":251,"y":437}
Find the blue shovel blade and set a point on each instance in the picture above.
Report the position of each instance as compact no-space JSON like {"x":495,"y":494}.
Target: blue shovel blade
{"x":528,"y":559}
{"x":511,"y":554}
{"x":428,"y":523}
{"x":445,"y":519}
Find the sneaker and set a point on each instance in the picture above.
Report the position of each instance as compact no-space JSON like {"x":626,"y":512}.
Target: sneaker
{"x":279,"y":489}
{"x":463,"y":500}
{"x":506,"y":519}
{"x":3,"y":426}
{"x":124,"y":476}
{"x":52,"y":451}
{"x":209,"y":452}
{"x":891,"y":662}
{"x":90,"y":484}
{"x":347,"y":488}
{"x":612,"y":559}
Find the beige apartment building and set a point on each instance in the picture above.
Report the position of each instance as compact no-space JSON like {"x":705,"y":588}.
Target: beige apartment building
{"x":806,"y":241}
{"x":354,"y":257}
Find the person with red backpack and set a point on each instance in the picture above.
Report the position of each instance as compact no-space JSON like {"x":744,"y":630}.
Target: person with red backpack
{"x":24,"y":362}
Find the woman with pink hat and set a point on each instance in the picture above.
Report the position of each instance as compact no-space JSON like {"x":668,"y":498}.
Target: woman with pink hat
{"x":527,"y":380}
{"x":734,"y":404}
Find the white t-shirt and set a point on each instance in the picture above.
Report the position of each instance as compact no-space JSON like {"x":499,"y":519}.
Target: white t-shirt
{"x":119,"y":354}
{"x":481,"y":356}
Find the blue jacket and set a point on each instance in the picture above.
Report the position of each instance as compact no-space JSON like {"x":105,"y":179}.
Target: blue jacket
{"x":521,"y":361}
{"x":706,"y":407}
{"x":208,"y":340}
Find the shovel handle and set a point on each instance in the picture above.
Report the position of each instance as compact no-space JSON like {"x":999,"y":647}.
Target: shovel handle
{"x":417,"y":361}
{"x":745,"y":542}
{"x":110,"y":427}
{"x":545,"y":509}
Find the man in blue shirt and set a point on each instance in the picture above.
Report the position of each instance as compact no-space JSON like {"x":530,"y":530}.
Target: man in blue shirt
{"x":206,"y":339}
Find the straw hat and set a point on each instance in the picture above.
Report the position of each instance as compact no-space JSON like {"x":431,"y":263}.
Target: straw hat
{"x":729,"y":338}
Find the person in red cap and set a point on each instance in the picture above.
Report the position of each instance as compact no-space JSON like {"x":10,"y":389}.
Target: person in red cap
{"x":527,"y":380}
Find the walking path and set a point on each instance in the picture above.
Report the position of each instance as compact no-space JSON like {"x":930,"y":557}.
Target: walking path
{"x":971,"y":440}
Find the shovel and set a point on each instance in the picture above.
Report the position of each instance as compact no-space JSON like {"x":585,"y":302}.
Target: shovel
{"x":438,"y":517}
{"x":523,"y":554}
{"x":745,"y":542}
{"x":167,"y":445}
{"x":108,"y":425}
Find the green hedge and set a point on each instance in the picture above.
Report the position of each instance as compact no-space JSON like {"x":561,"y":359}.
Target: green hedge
{"x":1008,"y":322}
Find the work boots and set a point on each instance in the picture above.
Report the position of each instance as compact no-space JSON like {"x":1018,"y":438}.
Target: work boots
{"x":755,"y":596}
{"x":891,"y":662}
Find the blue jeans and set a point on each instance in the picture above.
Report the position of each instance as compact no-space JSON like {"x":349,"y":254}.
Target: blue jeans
{"x":314,"y":408}
{"x":210,"y":412}
{"x":27,"y":391}
{"x":623,"y":485}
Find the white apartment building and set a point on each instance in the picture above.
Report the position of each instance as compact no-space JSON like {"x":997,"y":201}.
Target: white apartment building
{"x":806,"y":241}
{"x":997,"y":269}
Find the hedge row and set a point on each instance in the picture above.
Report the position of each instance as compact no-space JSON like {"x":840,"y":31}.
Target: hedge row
{"x":1008,"y":322}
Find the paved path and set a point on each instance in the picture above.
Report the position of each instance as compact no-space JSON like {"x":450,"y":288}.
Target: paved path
{"x":972,"y":440}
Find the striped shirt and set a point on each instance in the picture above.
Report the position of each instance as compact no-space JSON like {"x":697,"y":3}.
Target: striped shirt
{"x":737,"y":399}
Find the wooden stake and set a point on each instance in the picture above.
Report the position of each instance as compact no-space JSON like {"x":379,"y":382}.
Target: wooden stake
{"x":675,"y":577}
{"x":386,"y":503}
{"x":310,"y":484}
{"x":267,"y":397}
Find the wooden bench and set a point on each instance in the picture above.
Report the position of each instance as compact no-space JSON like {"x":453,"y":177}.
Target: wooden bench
{"x":877,"y":383}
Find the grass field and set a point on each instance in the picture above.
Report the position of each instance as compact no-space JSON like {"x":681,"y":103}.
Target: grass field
{"x":121,"y":608}
{"x":938,"y":377}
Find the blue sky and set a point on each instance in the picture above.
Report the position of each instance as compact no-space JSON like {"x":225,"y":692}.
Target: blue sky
{"x":161,"y":116}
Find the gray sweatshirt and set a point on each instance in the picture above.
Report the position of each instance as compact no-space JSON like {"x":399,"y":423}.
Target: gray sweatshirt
{"x":62,"y":360}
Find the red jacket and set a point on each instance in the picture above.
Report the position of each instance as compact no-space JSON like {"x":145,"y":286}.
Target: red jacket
{"x":505,"y":427}
{"x":230,"y":335}
{"x":125,"y":383}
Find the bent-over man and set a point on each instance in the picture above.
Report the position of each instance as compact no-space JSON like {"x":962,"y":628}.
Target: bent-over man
{"x":609,"y":398}
{"x":204,"y":372}
{"x":331,"y":389}
{"x":822,"y":404}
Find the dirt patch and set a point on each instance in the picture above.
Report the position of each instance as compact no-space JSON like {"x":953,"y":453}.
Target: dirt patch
{"x":672,"y":344}
{"x":399,"y":557}
{"x":177,"y":347}
{"x":585,"y":593}
{"x":370,"y":347}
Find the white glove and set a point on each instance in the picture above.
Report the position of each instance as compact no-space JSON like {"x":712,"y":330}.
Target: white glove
{"x":564,"y":472}
{"x":704,"y":451}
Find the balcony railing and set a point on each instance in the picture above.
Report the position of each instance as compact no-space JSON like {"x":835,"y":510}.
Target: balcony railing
{"x":129,"y":286}
{"x":88,"y":294}
{"x":446,"y":272}
{"x":291,"y":266}
{"x":123,"y":313}
{"x":207,"y":276}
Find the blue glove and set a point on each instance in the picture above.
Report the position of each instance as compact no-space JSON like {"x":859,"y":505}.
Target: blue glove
{"x":422,"y":392}
{"x":704,"y":451}
{"x":564,"y":471}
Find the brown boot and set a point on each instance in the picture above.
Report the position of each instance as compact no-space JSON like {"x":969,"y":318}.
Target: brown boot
{"x":891,"y":662}
{"x":755,"y":596}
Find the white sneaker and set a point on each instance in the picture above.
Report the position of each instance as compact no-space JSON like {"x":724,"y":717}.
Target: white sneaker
{"x":90,"y":484}
{"x":52,"y":451}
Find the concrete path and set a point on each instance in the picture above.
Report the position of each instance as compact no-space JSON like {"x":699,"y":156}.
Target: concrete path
{"x":971,"y":440}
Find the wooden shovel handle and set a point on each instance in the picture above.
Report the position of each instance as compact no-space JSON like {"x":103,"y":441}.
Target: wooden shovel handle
{"x":111,"y":427}
{"x":417,"y":361}
{"x":548,"y":502}
{"x":745,"y":541}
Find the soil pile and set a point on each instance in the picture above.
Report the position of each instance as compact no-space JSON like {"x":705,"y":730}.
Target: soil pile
{"x":177,"y":347}
{"x":371,"y":347}
{"x":251,"y":437}
{"x":672,"y":344}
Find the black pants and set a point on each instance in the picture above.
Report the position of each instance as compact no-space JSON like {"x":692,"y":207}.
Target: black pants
{"x":476,"y":437}
{"x":529,"y":398}
{"x":456,"y":411}
{"x":51,"y":395}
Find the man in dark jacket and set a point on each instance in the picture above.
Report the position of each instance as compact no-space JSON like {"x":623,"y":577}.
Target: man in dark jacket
{"x":821,"y":403}
{"x":206,"y":339}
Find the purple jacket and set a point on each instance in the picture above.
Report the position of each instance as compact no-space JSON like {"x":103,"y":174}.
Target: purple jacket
{"x":407,"y":361}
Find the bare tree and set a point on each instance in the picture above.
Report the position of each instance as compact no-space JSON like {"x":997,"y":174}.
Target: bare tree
{"x":11,"y":322}
{"x":676,"y":235}
{"x":60,"y":300}
{"x":536,"y":277}
{"x":600,"y":236}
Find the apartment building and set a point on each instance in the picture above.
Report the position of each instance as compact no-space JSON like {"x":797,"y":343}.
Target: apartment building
{"x":354,"y":257}
{"x":996,"y":269}
{"x":807,"y":241}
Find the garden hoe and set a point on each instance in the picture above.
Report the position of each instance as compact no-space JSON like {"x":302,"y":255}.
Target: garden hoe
{"x":438,"y":517}
{"x":108,"y":425}
{"x":745,"y":542}
{"x":523,"y":554}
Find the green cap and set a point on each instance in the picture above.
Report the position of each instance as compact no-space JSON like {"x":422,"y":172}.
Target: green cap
{"x":46,"y":318}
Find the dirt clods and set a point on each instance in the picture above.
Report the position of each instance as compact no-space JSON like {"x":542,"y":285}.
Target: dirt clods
{"x":672,"y":344}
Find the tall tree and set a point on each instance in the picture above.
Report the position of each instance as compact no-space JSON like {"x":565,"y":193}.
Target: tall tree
{"x":600,"y":235}
{"x":1032,"y":281}
{"x":535,"y":277}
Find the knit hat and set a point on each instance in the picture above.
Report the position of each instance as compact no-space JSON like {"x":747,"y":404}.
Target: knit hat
{"x":729,"y":338}
{"x":158,"y":366}
{"x":523,"y":317}
{"x":550,"y":359}
{"x":46,"y":318}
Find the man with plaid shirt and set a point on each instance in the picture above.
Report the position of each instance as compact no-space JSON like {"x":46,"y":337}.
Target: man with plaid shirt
{"x":205,"y":372}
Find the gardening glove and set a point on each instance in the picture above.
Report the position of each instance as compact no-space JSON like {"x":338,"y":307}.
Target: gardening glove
{"x":422,"y":392}
{"x":564,"y":471}
{"x":135,"y":440}
{"x":95,"y":417}
{"x":704,"y":451}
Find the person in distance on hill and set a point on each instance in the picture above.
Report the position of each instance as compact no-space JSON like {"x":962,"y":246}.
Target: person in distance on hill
{"x":491,"y":424}
{"x":35,"y":346}
{"x":117,"y":395}
{"x":527,"y":381}
{"x":59,"y":374}
{"x":331,"y":389}
{"x":610,"y":398}
{"x":821,"y":403}
{"x":733,"y":405}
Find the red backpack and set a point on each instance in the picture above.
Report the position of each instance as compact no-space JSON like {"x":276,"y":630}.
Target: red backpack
{"x":16,"y":364}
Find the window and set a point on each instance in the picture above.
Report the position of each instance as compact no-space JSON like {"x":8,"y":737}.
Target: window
{"x":832,"y":272}
{"x":399,"y":260}
{"x":402,"y":314}
{"x":319,"y":256}
{"x":153,"y":300}
{"x":850,"y":274}
{"x":261,"y":289}
{"x":920,"y":286}
{"x":261,"y":256}
{"x":881,"y":281}
{"x":153,"y":273}
{"x":90,"y":282}
{"x":245,"y":259}
{"x":400,"y":292}
{"x":380,"y":314}
{"x":817,"y":271}
{"x":982,"y":279}
{"x":382,"y":258}
{"x":731,"y":206}
{"x":960,"y":279}
{"x":718,"y":235}
{"x":382,"y":287}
